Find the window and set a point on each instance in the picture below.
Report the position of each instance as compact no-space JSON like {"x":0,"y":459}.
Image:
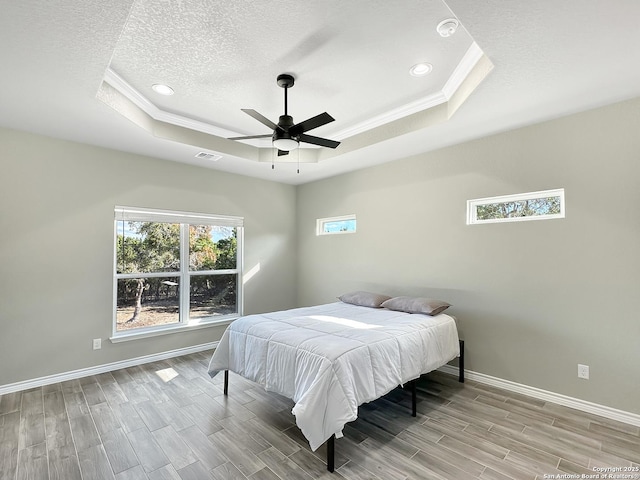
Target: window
{"x":333,"y":225}
{"x":173,"y":269}
{"x":515,"y":208}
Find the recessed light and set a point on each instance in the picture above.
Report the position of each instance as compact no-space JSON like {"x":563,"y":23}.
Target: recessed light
{"x":448,"y":27}
{"x":162,"y":89}
{"x":420,"y":69}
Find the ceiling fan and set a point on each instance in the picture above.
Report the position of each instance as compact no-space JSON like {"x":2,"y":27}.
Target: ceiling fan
{"x":287,"y":135}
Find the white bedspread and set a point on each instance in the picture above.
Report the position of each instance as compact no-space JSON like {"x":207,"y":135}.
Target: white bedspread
{"x":331,"y":358}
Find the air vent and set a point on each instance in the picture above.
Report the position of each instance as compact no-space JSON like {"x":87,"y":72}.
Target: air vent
{"x":209,"y":156}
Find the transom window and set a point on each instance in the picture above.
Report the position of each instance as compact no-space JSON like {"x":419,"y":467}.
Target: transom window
{"x":542,"y":205}
{"x":173,"y":269}
{"x":333,"y":225}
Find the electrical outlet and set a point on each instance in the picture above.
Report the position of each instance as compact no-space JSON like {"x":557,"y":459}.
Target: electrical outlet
{"x":97,"y":343}
{"x":583,"y":371}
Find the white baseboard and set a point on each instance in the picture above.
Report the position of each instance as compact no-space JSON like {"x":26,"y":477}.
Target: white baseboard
{"x":589,"y":407}
{"x":109,"y":367}
{"x":594,"y":408}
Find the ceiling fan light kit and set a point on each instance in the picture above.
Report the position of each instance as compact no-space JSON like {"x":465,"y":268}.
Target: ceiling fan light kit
{"x":285,"y":144}
{"x":286,"y":135}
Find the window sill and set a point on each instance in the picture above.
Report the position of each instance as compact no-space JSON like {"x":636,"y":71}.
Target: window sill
{"x":155,"y":332}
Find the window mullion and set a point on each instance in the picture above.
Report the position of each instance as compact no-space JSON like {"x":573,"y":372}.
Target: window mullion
{"x":185,"y":279}
{"x":215,"y":272}
{"x":239,"y":270}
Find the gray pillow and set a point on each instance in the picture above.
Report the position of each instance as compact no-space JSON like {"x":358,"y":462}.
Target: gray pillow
{"x":364,"y":299}
{"x":427,"y":306}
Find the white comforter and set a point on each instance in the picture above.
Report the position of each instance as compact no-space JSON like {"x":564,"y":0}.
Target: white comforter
{"x":331,"y":358}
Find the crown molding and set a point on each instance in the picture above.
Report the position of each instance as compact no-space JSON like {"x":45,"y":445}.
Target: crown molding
{"x":460,"y":73}
{"x":462,"y":70}
{"x":142,"y":102}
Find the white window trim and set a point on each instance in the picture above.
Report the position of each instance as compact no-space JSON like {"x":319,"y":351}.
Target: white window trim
{"x":154,"y":215}
{"x":169,"y":329}
{"x":320,"y":222}
{"x":472,"y":210}
{"x":169,"y":216}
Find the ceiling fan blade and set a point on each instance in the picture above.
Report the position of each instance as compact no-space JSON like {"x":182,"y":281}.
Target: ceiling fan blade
{"x":323,"y":142}
{"x":311,"y":123}
{"x":261,"y":118}
{"x":283,"y":152}
{"x":268,"y":135}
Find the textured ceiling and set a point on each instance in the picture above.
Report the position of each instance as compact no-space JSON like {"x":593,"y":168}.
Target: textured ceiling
{"x":350,"y":59}
{"x":223,"y":56}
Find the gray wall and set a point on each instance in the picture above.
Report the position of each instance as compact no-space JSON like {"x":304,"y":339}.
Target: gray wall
{"x":533,"y":299}
{"x":56,"y":247}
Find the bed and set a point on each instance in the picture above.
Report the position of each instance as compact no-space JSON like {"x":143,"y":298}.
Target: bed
{"x":329,"y":359}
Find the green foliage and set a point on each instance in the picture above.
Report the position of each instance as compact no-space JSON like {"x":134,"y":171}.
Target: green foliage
{"x":520,"y":208}
{"x":202,"y":249}
{"x":227,"y":253}
{"x":205,"y":254}
{"x":149,"y":247}
{"x":152,"y":247}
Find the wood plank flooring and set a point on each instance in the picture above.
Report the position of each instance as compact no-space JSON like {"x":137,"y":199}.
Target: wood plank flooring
{"x":169,"y":421}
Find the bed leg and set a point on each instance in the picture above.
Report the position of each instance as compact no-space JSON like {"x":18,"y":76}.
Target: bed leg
{"x":461,"y":363}
{"x":413,"y":398}
{"x":331,"y":453}
{"x":226,"y":382}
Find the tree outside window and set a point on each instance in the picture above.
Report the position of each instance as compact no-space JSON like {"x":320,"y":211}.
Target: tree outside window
{"x":542,"y":205}
{"x":169,"y":273}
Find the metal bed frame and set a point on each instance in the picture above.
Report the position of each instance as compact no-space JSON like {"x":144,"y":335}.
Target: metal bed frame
{"x":412,"y":386}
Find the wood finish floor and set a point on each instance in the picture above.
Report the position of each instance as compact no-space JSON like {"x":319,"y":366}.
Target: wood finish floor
{"x":169,"y":421}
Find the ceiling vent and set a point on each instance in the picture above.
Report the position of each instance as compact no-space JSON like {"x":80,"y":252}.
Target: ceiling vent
{"x":209,"y":156}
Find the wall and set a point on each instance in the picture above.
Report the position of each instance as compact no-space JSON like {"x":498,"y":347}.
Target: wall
{"x":56,"y":247}
{"x":533,"y":299}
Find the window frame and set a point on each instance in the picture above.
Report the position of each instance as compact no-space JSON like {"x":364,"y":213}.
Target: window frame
{"x":472,"y":206}
{"x":184,"y":274}
{"x":321,"y":222}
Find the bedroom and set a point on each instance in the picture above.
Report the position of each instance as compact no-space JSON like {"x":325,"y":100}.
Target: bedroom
{"x":533,"y":299}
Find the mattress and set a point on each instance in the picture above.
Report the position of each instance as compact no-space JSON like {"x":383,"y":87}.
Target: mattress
{"x":329,"y":359}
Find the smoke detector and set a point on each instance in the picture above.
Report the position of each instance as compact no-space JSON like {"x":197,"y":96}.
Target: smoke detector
{"x":447,"y":27}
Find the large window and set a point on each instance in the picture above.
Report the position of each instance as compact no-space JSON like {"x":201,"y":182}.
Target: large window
{"x":174,"y":269}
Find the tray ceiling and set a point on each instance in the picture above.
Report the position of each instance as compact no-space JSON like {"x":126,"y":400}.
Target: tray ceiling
{"x":83,"y":71}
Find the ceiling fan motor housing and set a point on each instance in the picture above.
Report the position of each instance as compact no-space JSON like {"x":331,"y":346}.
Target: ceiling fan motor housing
{"x":280,"y":135}
{"x":285,"y":122}
{"x":284,"y":141}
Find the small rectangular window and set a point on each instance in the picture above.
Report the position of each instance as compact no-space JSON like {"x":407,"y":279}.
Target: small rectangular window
{"x":542,"y":205}
{"x":334,"y":225}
